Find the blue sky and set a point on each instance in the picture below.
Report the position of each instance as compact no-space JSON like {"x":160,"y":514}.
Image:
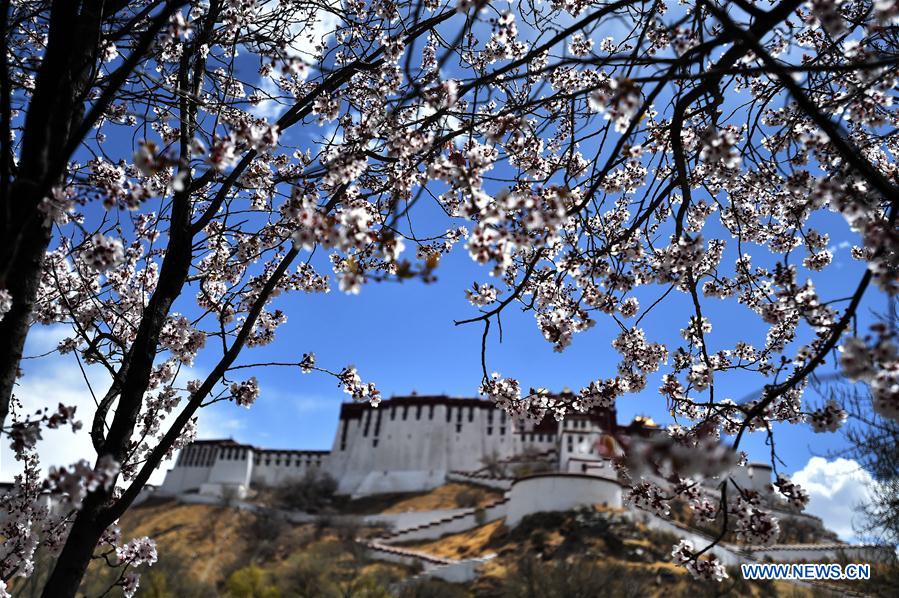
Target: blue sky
{"x":402,"y":337}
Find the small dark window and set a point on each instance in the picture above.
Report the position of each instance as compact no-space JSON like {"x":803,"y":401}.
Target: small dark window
{"x":405,"y":412}
{"x":489,"y":431}
{"x":502,"y":430}
{"x":458,"y":428}
{"x":471,"y":414}
{"x":374,"y":442}
{"x":430,"y":412}
{"x":418,"y":413}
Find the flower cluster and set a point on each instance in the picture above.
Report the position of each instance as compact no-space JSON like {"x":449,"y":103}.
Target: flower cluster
{"x":751,"y":524}
{"x":649,"y":497}
{"x":246,"y":392}
{"x":137,"y":552}
{"x":352,"y":385}
{"x":797,"y":497}
{"x":706,"y":569}
{"x":5,"y":303}
{"x":103,"y":253}
{"x":75,"y":482}
{"x":827,"y":419}
{"x":876,"y":364}
{"x":482,"y":295}
{"x":134,"y":553}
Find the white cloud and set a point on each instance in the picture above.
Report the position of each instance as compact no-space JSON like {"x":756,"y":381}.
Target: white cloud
{"x":305,"y":38}
{"x":56,"y":379}
{"x":835,"y":489}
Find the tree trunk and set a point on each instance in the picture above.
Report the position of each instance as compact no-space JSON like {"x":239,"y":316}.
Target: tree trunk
{"x":72,"y":563}
{"x":55,"y":110}
{"x":23,"y":286}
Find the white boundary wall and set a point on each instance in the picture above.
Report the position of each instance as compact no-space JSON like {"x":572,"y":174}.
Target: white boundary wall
{"x":559,"y":492}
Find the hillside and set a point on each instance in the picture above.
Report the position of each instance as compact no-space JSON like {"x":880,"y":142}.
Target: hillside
{"x":588,"y":552}
{"x":221,"y":551}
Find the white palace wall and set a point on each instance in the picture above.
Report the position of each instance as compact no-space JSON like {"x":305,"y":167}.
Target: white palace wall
{"x":411,"y":445}
{"x":192,"y":469}
{"x":273,"y":467}
{"x":406,"y":444}
{"x":559,"y":492}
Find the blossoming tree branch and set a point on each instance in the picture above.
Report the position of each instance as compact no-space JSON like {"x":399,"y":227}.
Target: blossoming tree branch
{"x":169,"y":167}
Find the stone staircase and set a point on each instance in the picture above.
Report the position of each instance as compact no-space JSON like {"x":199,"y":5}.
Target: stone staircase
{"x":453,"y":570}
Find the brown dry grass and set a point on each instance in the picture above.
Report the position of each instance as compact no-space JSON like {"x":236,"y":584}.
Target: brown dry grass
{"x":444,"y":497}
{"x":473,"y":543}
{"x":207,"y":535}
{"x":217,"y":540}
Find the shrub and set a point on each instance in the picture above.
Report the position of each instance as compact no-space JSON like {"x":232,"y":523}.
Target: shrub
{"x":311,"y":493}
{"x":432,"y":588}
{"x":468,"y":497}
{"x":250,"y":582}
{"x":573,"y":578}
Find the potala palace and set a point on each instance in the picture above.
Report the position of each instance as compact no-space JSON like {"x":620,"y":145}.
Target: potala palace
{"x":412,"y":443}
{"x":417,"y":443}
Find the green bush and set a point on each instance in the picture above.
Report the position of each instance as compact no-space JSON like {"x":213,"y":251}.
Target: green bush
{"x":311,"y":493}
{"x":250,"y":582}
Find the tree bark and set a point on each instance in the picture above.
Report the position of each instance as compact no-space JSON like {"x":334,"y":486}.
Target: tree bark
{"x":56,"y":108}
{"x":72,"y":563}
{"x":27,"y":266}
